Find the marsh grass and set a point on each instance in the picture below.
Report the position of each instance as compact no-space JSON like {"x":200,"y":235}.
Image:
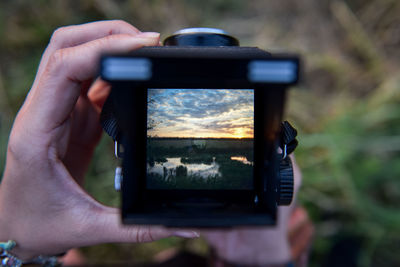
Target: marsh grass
{"x":232,"y":174}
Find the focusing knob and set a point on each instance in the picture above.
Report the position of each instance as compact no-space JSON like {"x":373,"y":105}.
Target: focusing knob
{"x":286,"y":182}
{"x":201,"y":37}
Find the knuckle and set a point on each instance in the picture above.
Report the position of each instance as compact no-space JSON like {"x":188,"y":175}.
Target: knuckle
{"x":17,"y":151}
{"x":119,"y":26}
{"x":17,"y":148}
{"x":58,"y":35}
{"x":56,"y":58}
{"x":138,"y":234}
{"x":112,"y":38}
{"x":14,"y":145}
{"x":122,"y":23}
{"x":150,"y":234}
{"x":142,"y":235}
{"x":105,"y":43}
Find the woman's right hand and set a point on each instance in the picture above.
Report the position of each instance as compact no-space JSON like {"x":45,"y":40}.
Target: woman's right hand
{"x":42,"y":204}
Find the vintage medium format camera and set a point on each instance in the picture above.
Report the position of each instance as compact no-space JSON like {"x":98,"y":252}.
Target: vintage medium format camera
{"x":197,"y":124}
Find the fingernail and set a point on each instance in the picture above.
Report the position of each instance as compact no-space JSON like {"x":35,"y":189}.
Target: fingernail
{"x":148,"y":34}
{"x":187,"y":234}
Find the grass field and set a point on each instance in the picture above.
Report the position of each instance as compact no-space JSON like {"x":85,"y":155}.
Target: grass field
{"x":185,"y":163}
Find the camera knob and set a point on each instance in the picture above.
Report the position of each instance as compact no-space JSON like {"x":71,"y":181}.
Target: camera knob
{"x":286,"y":182}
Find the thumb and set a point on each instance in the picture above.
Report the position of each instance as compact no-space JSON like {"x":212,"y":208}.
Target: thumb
{"x":108,"y":228}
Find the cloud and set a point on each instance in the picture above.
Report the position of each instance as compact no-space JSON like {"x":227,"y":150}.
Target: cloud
{"x":211,"y":112}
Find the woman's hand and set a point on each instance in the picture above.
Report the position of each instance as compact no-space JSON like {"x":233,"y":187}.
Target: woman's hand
{"x":42,"y":205}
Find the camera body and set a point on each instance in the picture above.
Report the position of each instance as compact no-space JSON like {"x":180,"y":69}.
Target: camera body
{"x":199,"y":123}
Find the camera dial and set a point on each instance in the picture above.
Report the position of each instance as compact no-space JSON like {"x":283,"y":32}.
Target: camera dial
{"x":201,"y":37}
{"x":286,"y":182}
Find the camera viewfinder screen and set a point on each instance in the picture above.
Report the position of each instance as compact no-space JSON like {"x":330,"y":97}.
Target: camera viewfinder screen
{"x":200,"y":139}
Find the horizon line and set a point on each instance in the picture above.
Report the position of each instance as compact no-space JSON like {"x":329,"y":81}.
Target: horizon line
{"x":158,"y":137}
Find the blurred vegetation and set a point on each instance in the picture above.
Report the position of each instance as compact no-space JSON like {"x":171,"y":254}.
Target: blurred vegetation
{"x":346,"y":110}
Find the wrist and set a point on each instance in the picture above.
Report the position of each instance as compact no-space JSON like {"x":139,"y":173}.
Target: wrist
{"x":11,"y":260}
{"x":16,"y":251}
{"x":11,"y":225}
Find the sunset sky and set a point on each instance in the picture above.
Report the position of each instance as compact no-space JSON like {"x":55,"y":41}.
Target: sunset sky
{"x":202,"y":113}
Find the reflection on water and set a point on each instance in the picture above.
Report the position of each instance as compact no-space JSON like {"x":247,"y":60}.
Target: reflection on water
{"x":168,"y":168}
{"x":242,"y":159}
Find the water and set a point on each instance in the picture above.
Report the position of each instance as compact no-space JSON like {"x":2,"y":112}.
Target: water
{"x":202,"y":169}
{"x":168,"y":168}
{"x":242,"y":159}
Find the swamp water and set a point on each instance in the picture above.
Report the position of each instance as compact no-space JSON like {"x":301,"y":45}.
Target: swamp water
{"x":168,"y":169}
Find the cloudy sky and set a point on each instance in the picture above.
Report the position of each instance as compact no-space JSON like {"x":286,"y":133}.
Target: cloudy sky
{"x":201,"y":113}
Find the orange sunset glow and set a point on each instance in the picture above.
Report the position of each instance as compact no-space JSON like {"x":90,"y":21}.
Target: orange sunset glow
{"x":201,"y":113}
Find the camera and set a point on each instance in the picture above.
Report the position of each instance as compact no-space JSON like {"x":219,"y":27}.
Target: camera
{"x":198,"y":126}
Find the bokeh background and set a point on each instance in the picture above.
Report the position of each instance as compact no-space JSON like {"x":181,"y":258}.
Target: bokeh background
{"x":346,"y":109}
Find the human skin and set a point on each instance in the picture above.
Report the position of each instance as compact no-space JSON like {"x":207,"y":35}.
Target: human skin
{"x":43,"y":206}
{"x":266,"y":246}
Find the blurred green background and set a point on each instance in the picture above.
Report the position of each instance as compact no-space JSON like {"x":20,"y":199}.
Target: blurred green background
{"x":346,"y":109}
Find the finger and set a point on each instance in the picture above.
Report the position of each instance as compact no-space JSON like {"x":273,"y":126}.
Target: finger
{"x":60,"y":84}
{"x":100,"y":90}
{"x":79,"y":34}
{"x":300,"y":241}
{"x":70,"y":36}
{"x":296,"y":176}
{"x":74,"y":35}
{"x":84,"y":136}
{"x":107,"y":228}
{"x":73,"y":258}
{"x":98,"y":93}
{"x":297,"y":219}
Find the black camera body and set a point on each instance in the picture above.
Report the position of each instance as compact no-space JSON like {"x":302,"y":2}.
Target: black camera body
{"x":199,"y":123}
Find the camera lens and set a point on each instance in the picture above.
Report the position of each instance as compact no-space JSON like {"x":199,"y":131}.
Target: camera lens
{"x":201,"y":37}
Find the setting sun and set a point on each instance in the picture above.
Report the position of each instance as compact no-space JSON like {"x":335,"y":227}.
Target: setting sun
{"x":201,"y":113}
{"x":241,"y":133}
